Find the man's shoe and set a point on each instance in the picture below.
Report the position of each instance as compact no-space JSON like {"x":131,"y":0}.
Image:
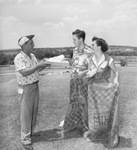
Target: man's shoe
{"x":26,"y":143}
{"x":27,"y":146}
{"x":90,"y":136}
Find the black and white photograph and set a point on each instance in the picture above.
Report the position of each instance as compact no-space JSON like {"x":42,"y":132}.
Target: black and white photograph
{"x":68,"y":74}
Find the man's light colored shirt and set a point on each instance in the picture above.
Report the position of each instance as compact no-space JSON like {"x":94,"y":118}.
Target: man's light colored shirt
{"x":22,"y":61}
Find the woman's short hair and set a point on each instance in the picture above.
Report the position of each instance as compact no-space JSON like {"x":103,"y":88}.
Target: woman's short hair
{"x":80,"y":34}
{"x":101,"y":42}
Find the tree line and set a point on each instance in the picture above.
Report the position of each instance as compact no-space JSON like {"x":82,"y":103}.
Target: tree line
{"x":41,"y":53}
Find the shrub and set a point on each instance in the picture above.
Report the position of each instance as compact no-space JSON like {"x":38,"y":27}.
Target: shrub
{"x":123,"y":62}
{"x":3,"y":59}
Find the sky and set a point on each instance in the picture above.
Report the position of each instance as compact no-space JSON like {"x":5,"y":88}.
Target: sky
{"x":53,"y":21}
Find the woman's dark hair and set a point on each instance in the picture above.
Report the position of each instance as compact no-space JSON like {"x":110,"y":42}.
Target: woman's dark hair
{"x":101,"y":42}
{"x":80,"y":34}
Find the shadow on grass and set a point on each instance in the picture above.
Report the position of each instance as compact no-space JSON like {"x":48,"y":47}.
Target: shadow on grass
{"x":54,"y":135}
{"x":123,"y":143}
{"x":102,"y":137}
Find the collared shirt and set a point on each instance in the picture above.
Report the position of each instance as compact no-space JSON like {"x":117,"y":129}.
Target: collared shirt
{"x":96,"y":70}
{"x":101,"y":62}
{"x":22,"y":61}
{"x":80,"y":59}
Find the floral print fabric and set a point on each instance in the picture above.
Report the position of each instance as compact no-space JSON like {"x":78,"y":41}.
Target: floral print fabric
{"x":22,"y":61}
{"x":80,"y":59}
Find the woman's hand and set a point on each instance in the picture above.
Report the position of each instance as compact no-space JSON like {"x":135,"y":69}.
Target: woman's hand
{"x":116,"y":82}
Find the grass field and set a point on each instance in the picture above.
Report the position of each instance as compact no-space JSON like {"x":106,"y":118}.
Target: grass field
{"x":54,"y":98}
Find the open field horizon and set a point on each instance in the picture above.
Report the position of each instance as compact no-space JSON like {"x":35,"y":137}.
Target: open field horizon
{"x":119,"y":53}
{"x":111,"y":48}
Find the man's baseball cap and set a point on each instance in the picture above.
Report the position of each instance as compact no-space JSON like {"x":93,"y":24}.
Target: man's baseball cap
{"x":24,"y":39}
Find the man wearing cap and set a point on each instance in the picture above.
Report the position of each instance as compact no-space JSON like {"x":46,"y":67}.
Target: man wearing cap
{"x":27,"y":69}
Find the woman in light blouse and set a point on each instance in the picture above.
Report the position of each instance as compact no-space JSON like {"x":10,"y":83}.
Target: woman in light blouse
{"x":102,"y":95}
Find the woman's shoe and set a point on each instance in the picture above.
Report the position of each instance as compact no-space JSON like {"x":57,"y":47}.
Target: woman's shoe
{"x":90,"y":136}
{"x":114,"y":142}
{"x":85,"y":135}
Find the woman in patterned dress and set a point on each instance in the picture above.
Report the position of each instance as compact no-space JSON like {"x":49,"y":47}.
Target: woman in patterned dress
{"x":102,"y":95}
{"x":77,"y":113}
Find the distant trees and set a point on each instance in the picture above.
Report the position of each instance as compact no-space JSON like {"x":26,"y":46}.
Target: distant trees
{"x":3,"y":59}
{"x":41,"y":53}
{"x":123,"y":53}
{"x":123,"y":62}
{"x":6,"y":59}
